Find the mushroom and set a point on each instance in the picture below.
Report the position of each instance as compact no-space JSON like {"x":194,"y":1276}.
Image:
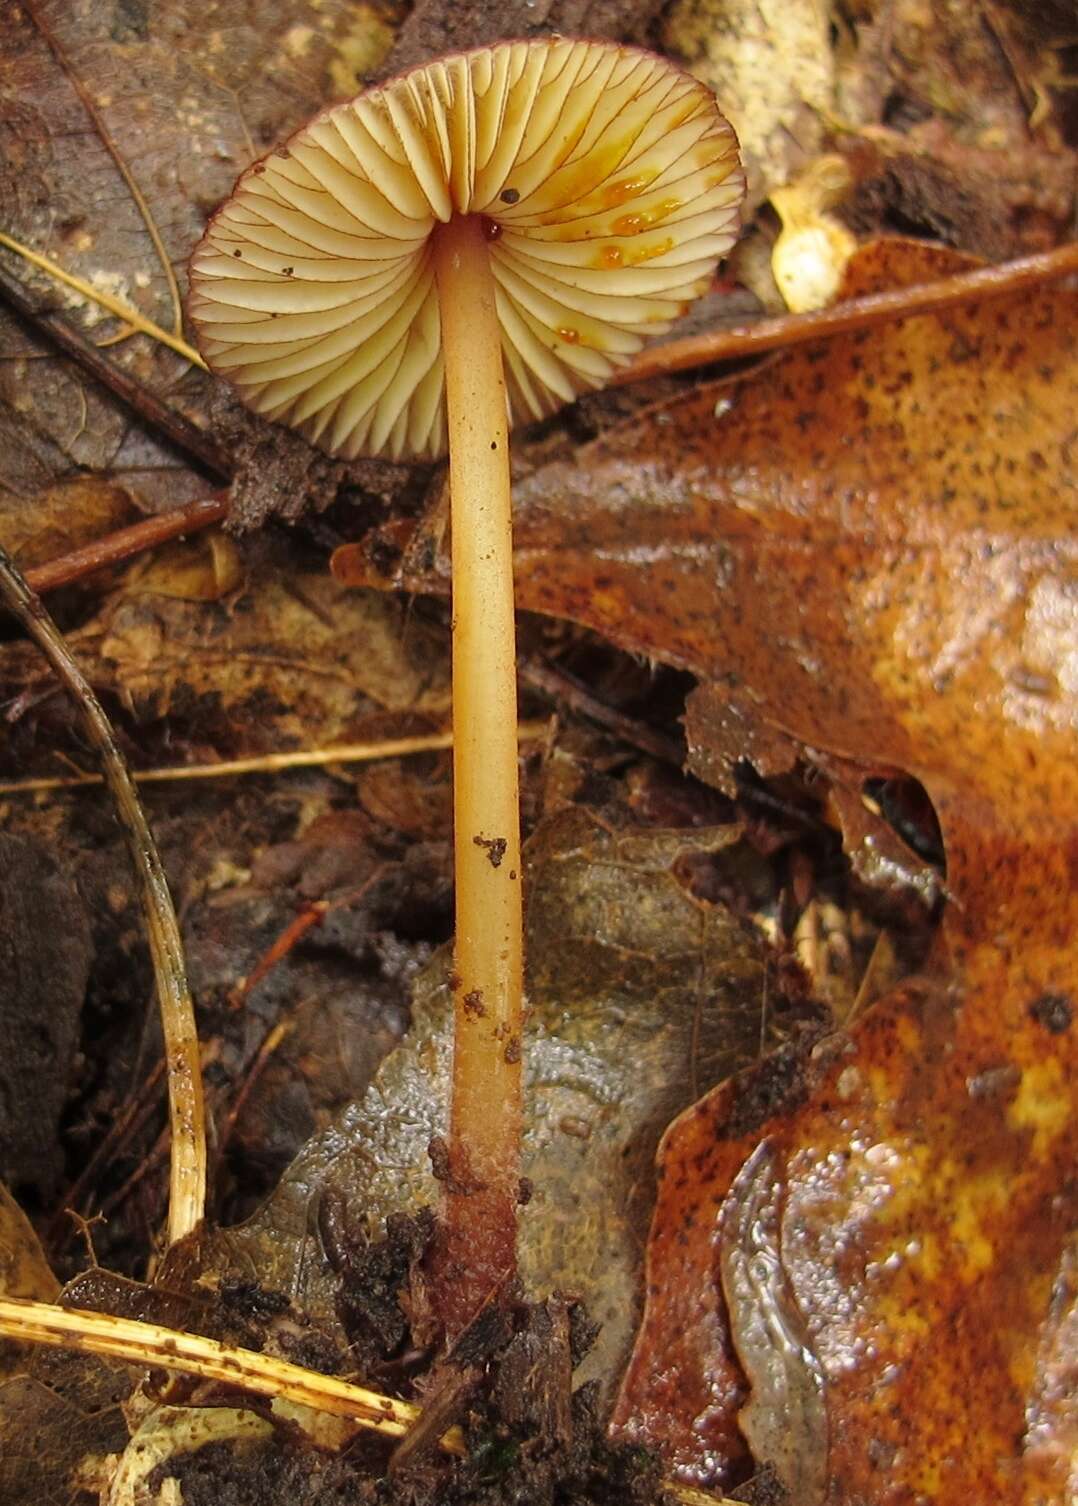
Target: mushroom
{"x":474,"y":242}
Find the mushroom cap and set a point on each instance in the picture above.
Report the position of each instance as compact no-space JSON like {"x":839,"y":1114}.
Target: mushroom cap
{"x":612,"y":186}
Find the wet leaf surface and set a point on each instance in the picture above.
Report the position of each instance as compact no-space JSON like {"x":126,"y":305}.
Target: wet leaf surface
{"x":868,"y":551}
{"x":639,"y":995}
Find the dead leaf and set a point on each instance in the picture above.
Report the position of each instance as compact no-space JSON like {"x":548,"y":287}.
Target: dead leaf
{"x":923,"y":1193}
{"x":62,"y":518}
{"x":205,"y":568}
{"x":868,"y":551}
{"x":60,"y":1417}
{"x":637,"y":992}
{"x":24,"y":1270}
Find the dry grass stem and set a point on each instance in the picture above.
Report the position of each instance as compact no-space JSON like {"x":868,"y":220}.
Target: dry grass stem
{"x":104,"y":300}
{"x":187,"y":1181}
{"x":148,"y":1344}
{"x":270,"y":763}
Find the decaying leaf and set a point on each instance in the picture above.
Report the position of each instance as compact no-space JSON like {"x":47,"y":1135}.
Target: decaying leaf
{"x":869,"y":550}
{"x":288,"y":658}
{"x":24,"y":1270}
{"x":639,"y":994}
{"x":62,"y":518}
{"x":60,"y":1420}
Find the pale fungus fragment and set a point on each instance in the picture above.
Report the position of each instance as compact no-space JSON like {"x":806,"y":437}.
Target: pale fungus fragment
{"x":809,"y":257}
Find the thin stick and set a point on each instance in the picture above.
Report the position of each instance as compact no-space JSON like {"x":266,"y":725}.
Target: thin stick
{"x":190,"y":1354}
{"x":856,"y":313}
{"x":269,"y":763}
{"x":477,"y":1252}
{"x":187,"y":1183}
{"x":134,"y":1113}
{"x":280,"y":1032}
{"x":125,"y":542}
{"x":116,"y":306}
{"x":559,"y":685}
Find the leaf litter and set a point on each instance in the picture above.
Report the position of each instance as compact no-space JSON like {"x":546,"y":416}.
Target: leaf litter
{"x":838,"y":619}
{"x":850,"y":569}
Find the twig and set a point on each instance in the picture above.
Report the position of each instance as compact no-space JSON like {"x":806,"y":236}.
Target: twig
{"x":190,"y":1354}
{"x":185,"y":435}
{"x":187,"y":1183}
{"x":856,"y":313}
{"x":130,"y":1119}
{"x":561,"y":686}
{"x":271,"y":763}
{"x":124,"y":311}
{"x":125,"y":542}
{"x":273,"y":1039}
{"x":313,"y":914}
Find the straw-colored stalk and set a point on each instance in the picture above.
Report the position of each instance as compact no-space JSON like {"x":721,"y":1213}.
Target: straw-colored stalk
{"x":150,"y":1345}
{"x":478,"y":1242}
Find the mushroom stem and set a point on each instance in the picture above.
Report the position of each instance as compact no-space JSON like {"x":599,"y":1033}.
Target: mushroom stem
{"x":477,"y":1249}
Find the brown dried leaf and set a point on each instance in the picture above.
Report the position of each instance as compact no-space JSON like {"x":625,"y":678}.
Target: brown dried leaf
{"x":869,"y":551}
{"x":289,"y":660}
{"x":59,"y":1417}
{"x":62,"y":518}
{"x":24,"y":1270}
